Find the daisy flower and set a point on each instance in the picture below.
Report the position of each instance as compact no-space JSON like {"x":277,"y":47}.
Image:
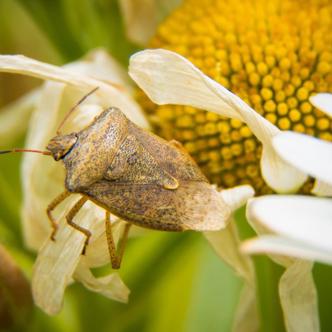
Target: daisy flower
{"x":168,"y":78}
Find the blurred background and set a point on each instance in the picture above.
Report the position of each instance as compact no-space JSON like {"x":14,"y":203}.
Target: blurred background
{"x":177,"y":282}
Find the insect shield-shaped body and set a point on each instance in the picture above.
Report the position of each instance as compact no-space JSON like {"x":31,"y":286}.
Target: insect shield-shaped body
{"x":138,"y":176}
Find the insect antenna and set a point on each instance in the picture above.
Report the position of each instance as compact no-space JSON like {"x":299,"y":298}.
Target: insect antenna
{"x":74,"y":108}
{"x":46,"y":153}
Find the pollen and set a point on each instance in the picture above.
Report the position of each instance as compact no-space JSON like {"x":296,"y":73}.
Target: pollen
{"x":273,"y":54}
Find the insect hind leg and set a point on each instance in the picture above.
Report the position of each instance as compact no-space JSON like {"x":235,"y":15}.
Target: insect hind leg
{"x":115,"y":255}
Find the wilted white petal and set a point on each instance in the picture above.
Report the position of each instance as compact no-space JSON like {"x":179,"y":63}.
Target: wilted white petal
{"x":110,"y":94}
{"x":323,"y":101}
{"x":168,"y":78}
{"x":57,"y":261}
{"x":298,"y":297}
{"x":110,"y":286}
{"x":141,"y":17}
{"x":226,"y":244}
{"x":42,"y":178}
{"x":226,"y":241}
{"x":246,"y":316}
{"x":14,"y":118}
{"x":309,"y":154}
{"x":20,"y":64}
{"x":302,"y":218}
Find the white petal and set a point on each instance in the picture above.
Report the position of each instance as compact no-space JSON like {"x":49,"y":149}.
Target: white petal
{"x":168,"y":78}
{"x":298,"y":297}
{"x":306,"y":153}
{"x":281,"y":176}
{"x":323,"y":101}
{"x":278,"y":245}
{"x":110,"y":286}
{"x":237,"y":196}
{"x":301,"y":218}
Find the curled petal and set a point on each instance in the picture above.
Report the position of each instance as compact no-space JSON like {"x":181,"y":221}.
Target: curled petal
{"x":110,"y":286}
{"x":168,"y":78}
{"x":323,"y":101}
{"x":237,"y":196}
{"x":309,"y":154}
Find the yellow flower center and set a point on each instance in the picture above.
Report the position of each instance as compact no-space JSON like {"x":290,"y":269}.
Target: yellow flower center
{"x":273,"y":54}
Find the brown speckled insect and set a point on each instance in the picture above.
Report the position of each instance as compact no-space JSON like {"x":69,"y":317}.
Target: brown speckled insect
{"x":134,"y":175}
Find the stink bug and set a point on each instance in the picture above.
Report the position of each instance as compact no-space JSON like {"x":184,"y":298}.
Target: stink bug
{"x":134,"y":175}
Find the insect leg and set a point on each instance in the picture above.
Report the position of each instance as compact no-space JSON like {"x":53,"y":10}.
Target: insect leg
{"x":70,"y":216}
{"x":51,"y":207}
{"x":116,"y":257}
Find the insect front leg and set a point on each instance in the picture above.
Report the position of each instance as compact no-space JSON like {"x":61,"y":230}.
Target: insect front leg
{"x":51,"y":207}
{"x":116,"y":257}
{"x":70,"y":216}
